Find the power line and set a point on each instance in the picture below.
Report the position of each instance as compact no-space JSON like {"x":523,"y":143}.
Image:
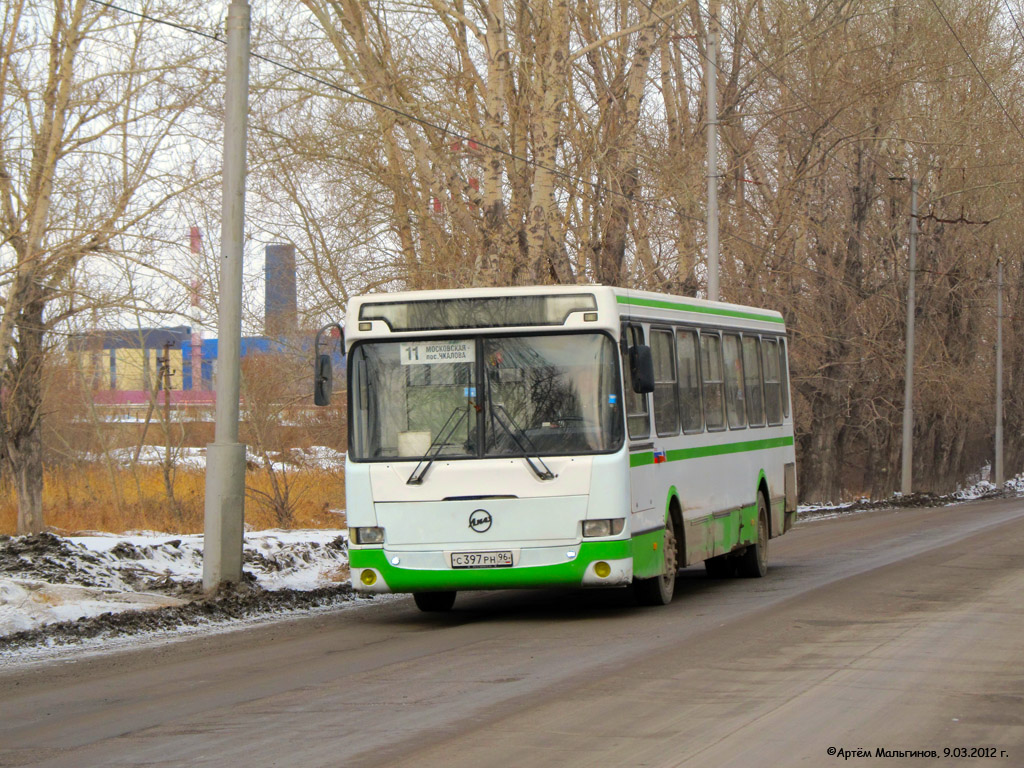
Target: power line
{"x":782,"y":81}
{"x":978,"y":69}
{"x":596,"y":187}
{"x":730,"y":234}
{"x":1014,"y":18}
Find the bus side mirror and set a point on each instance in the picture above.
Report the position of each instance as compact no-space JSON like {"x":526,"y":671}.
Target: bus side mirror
{"x":323,"y":380}
{"x":323,"y":370}
{"x":641,"y":369}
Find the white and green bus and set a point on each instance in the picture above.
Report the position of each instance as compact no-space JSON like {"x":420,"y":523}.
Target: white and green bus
{"x":583,"y":436}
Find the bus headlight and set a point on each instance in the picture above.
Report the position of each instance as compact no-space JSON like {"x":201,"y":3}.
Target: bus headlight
{"x":368,"y":577}
{"x":609,"y":527}
{"x":368,"y":535}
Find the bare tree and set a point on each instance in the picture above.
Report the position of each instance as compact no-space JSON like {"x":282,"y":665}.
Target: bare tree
{"x":508,"y":143}
{"x":91,"y":106}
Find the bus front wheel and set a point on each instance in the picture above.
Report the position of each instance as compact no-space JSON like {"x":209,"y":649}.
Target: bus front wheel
{"x":434,"y":602}
{"x":659,"y":590}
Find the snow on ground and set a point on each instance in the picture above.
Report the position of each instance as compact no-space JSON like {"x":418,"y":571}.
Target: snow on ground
{"x":980,"y":490}
{"x":1012,"y":487}
{"x":48,"y":579}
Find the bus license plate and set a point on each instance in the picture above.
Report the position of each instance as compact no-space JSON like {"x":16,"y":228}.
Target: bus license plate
{"x":481,"y":559}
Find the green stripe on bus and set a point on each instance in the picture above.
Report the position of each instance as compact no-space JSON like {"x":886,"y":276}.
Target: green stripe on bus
{"x":660,"y":304}
{"x":681,"y":454}
{"x":641,"y":459}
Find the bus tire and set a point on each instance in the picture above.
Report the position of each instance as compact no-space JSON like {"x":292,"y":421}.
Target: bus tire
{"x":659,"y":590}
{"x":721,"y":567}
{"x":434,"y":602}
{"x":753,"y":563}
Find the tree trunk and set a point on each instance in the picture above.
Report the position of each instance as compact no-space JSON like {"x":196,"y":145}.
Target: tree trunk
{"x":26,"y":461}
{"x":819,"y":480}
{"x":1013,"y":366}
{"x":22,"y":427}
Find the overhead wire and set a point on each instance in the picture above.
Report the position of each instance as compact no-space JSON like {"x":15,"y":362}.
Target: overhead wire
{"x":977,"y":69}
{"x":782,"y":81}
{"x":376,"y":103}
{"x":800,"y":264}
{"x":1009,"y":10}
{"x":594,"y":186}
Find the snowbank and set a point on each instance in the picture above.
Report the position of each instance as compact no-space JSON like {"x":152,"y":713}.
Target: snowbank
{"x":980,"y":490}
{"x":47,"y":579}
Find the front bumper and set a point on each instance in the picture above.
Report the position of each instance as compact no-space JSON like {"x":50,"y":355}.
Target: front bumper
{"x":577,"y":571}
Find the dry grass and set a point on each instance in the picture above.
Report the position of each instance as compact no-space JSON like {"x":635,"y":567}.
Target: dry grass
{"x":87,"y":498}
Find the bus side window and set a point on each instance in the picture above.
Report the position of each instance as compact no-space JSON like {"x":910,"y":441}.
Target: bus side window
{"x":753,"y":382}
{"x":772,"y":383}
{"x":784,"y":376}
{"x":638,"y":419}
{"x":733,"y":381}
{"x":711,"y":369}
{"x":687,"y":364}
{"x":666,"y":394}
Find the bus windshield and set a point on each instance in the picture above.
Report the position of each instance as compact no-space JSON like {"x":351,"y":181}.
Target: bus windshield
{"x":481,"y":397}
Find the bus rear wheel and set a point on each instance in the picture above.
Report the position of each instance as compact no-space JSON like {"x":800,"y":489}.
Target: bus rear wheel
{"x":659,"y":590}
{"x":753,"y":563}
{"x":434,"y":602}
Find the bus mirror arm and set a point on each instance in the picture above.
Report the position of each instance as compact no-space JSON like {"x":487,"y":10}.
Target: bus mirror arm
{"x":641,"y":368}
{"x":323,"y":368}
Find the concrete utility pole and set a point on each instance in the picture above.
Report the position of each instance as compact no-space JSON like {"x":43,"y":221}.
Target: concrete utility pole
{"x":711,"y":78}
{"x":225,"y":456}
{"x":1000,"y":478}
{"x":908,"y":381}
{"x":196,"y":363}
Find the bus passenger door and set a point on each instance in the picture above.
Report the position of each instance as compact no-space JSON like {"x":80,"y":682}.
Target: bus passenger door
{"x":641,"y":444}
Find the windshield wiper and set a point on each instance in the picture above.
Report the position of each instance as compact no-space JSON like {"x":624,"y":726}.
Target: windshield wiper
{"x":442,"y":437}
{"x":515,"y":433}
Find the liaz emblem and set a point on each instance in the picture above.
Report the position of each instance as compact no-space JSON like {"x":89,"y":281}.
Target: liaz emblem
{"x":480,"y":520}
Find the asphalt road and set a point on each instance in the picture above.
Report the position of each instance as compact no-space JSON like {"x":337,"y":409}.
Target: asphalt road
{"x":900,"y":630}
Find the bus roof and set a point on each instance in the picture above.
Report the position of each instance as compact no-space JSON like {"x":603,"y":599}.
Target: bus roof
{"x":626,"y":303}
{"x":650,"y":300}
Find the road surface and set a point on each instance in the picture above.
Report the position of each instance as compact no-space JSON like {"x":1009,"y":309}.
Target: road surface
{"x":894,"y":630}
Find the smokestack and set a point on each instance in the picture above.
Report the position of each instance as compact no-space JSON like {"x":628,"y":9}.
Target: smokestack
{"x":280,"y":305}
